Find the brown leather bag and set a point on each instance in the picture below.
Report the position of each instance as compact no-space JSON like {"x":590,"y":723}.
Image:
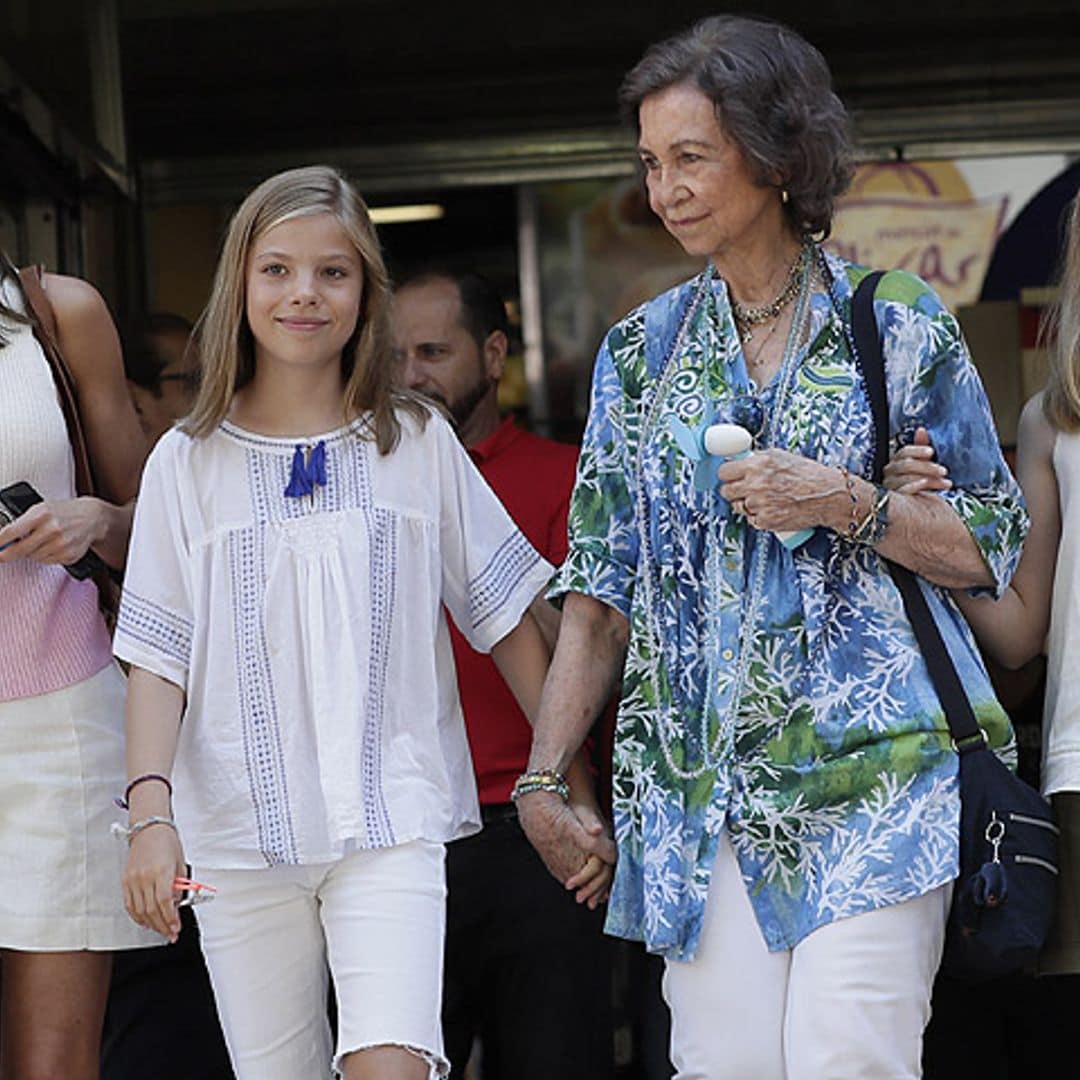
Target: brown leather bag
{"x":43,"y":322}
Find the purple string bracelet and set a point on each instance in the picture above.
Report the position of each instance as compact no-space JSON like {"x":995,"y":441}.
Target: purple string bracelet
{"x":122,"y":800}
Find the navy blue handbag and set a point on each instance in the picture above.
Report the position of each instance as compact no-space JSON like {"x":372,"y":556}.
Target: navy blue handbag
{"x":1003,"y":900}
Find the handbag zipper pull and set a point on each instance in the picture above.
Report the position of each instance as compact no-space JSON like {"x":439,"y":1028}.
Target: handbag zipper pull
{"x":995,"y":834}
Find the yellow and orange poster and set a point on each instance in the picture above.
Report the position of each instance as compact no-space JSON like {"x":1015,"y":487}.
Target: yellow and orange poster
{"x":922,"y":217}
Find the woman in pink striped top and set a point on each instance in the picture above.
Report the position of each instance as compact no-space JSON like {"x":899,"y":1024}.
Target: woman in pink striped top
{"x":61,"y":695}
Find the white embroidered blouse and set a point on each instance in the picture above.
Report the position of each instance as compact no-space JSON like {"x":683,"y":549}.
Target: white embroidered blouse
{"x":310,"y":638}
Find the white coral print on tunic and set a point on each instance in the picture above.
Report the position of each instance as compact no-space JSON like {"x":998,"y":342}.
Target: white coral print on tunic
{"x":840,"y":790}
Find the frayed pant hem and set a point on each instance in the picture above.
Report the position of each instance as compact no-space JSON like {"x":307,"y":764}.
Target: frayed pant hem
{"x":438,"y":1066}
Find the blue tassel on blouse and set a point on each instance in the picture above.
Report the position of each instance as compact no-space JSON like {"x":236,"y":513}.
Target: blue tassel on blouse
{"x":304,"y":477}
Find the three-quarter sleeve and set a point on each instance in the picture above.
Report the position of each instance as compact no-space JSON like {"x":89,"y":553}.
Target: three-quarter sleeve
{"x":934,"y":384}
{"x":603,"y":541}
{"x":155,"y":623}
{"x":490,"y":571}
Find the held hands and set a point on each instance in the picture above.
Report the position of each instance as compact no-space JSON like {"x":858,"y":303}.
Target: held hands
{"x":592,"y":883}
{"x":912,"y":468}
{"x":53,"y":532}
{"x":155,"y":861}
{"x":573,"y":840}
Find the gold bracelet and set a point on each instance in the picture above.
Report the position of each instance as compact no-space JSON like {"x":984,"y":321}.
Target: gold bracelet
{"x":541,"y":780}
{"x":849,"y":484}
{"x":872,"y":528}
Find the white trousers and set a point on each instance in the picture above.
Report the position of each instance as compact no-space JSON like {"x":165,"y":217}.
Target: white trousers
{"x":849,"y":1002}
{"x":376,"y":918}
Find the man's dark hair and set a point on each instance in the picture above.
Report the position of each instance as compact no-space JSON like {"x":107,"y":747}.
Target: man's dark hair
{"x":482,"y":308}
{"x":143,"y":362}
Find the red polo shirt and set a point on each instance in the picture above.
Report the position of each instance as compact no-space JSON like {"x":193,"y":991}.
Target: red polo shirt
{"x":533,"y":477}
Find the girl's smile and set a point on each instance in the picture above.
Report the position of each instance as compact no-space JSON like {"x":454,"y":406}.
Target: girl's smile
{"x":304,"y":285}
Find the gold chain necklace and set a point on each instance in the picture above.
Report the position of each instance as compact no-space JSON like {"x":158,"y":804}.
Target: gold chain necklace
{"x":746,"y":318}
{"x":752,"y":361}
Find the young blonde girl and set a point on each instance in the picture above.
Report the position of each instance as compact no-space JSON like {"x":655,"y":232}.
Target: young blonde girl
{"x":293,"y":685}
{"x":1044,"y":597}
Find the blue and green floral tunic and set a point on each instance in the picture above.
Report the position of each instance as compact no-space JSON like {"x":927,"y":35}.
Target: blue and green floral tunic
{"x":777,"y":693}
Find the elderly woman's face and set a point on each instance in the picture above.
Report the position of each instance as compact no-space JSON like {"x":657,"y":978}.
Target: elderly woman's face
{"x":699,"y":183}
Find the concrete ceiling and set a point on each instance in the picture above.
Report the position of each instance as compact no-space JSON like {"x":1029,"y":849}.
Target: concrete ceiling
{"x":232,"y":76}
{"x":408,"y":93}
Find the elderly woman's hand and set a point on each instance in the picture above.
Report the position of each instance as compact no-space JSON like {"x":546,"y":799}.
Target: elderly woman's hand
{"x":780,"y":491}
{"x":912,"y":468}
{"x":571,"y":849}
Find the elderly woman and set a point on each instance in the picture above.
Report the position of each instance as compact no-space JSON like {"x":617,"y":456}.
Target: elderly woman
{"x":785,"y":792}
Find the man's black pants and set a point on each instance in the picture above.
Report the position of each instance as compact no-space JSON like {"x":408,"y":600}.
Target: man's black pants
{"x":528,"y":969}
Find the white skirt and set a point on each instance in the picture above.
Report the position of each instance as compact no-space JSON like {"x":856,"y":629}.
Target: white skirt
{"x":61,"y":763}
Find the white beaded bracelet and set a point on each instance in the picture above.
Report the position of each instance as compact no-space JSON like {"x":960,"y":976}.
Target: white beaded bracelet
{"x":129,"y":832}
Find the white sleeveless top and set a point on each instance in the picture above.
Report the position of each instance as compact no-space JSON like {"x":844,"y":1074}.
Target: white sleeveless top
{"x":51,"y":633}
{"x":1061,"y":717}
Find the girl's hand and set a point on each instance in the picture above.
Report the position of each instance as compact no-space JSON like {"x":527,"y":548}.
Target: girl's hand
{"x":592,"y":883}
{"x":53,"y":532}
{"x":155,"y":860}
{"x":912,"y":468}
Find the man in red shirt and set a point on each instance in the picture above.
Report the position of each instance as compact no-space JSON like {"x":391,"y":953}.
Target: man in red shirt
{"x":527,"y":968}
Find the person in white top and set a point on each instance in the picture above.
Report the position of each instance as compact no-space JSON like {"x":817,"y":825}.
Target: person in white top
{"x":292,"y":677}
{"x":1041,"y":608}
{"x":61,"y":694}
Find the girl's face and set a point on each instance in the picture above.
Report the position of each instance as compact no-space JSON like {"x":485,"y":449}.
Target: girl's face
{"x":303,"y":287}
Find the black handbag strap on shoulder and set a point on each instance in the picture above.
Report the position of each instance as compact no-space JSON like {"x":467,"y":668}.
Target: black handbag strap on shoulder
{"x":966,"y":733}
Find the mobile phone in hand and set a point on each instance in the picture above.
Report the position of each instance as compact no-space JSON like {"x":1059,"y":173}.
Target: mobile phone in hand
{"x":16,"y":499}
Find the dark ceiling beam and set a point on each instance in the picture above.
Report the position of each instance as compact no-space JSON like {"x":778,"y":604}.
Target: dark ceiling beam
{"x":913,"y":133}
{"x":41,"y":155}
{"x":407,"y":94}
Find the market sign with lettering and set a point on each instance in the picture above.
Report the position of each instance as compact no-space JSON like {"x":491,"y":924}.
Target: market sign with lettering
{"x":902,"y":216}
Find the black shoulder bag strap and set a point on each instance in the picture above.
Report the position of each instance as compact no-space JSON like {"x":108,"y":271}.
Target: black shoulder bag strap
{"x":966,"y":733}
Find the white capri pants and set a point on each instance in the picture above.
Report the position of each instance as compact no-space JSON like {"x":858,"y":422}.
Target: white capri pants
{"x":377,"y":918}
{"x":849,"y":1002}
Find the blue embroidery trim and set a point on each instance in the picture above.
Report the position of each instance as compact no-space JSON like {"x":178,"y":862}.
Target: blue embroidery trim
{"x":493,"y":586}
{"x":382,"y":548}
{"x":263,"y":750}
{"x":155,"y":626}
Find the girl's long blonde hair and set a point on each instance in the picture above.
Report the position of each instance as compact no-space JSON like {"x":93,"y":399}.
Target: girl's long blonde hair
{"x":224,"y":339}
{"x":1061,"y":399}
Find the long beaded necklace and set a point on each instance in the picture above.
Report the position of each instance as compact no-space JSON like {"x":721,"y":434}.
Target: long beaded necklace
{"x":830,"y":287}
{"x":712,"y":753}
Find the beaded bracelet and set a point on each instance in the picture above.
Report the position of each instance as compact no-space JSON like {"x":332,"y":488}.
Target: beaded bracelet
{"x":122,"y":800}
{"x":541,"y":780}
{"x":131,"y":831}
{"x":872,"y":528}
{"x":849,"y":484}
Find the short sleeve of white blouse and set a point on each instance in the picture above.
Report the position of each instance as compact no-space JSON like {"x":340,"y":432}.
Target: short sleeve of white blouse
{"x":309,"y":635}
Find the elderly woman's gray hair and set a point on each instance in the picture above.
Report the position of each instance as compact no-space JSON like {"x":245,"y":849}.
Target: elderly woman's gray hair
{"x":774,"y":98}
